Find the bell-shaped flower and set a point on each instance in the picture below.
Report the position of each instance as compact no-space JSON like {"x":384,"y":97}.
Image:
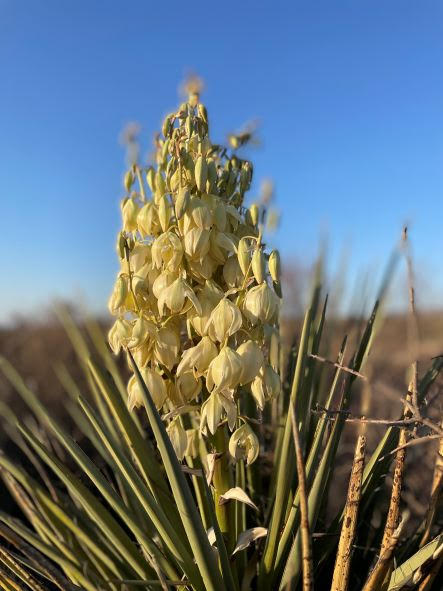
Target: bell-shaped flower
{"x":213,"y":410}
{"x":192,"y":446}
{"x":265,"y":386}
{"x":244,"y":444}
{"x":188,"y":386}
{"x":142,"y":355}
{"x":162,"y":282}
{"x":155,"y":385}
{"x":130,"y":211}
{"x":225,"y":320}
{"x":119,"y":335}
{"x":203,"y":269}
{"x":252,"y":358}
{"x":196,"y":243}
{"x":261,"y":304}
{"x":119,"y":294}
{"x":167,"y":251}
{"x":167,"y":346}
{"x":232,"y":273}
{"x":225,"y":370}
{"x":199,"y":357}
{"x":142,"y":330}
{"x":201,"y":214}
{"x":175,"y":295}
{"x":208,"y":296}
{"x":148,"y":222}
{"x":178,"y":437}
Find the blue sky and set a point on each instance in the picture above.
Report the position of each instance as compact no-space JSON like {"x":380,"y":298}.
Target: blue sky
{"x":349,"y":95}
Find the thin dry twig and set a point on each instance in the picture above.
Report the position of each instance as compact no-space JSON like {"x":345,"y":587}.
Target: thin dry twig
{"x":411,"y":443}
{"x":335,"y":364}
{"x":306,"y":540}
{"x":362,"y":419}
{"x":342,"y":567}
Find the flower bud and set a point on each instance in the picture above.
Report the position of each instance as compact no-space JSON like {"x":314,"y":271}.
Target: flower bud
{"x":225,"y":370}
{"x":244,"y":444}
{"x":160,"y":186}
{"x":243,"y":255}
{"x":129,"y":214}
{"x":155,"y":385}
{"x":167,"y":125}
{"x":202,"y":113}
{"x":201,"y":173}
{"x":261,"y":304}
{"x":254,"y":213}
{"x":167,"y":346}
{"x":128,"y":180}
{"x":182,"y":203}
{"x":224,"y":321}
{"x":258,"y":265}
{"x":164,"y":212}
{"x":274,"y":265}
{"x":150,"y":179}
{"x":211,"y":183}
{"x":198,"y":357}
{"x":178,"y":437}
{"x":252,"y":359}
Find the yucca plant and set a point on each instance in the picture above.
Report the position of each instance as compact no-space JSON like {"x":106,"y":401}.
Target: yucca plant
{"x":211,"y":469}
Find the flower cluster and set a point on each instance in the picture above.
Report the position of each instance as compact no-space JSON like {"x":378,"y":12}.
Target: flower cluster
{"x":197,"y":296}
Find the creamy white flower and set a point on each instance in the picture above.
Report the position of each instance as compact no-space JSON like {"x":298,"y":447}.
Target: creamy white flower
{"x":175,"y":295}
{"x":155,"y":385}
{"x":225,"y":370}
{"x":167,"y":251}
{"x":119,"y":335}
{"x":225,"y":320}
{"x":198,"y":357}
{"x":178,"y":437}
{"x":167,"y":346}
{"x":261,"y":304}
{"x":252,"y":358}
{"x":265,"y":386}
{"x":119,"y":294}
{"x":142,"y":330}
{"x":130,"y":211}
{"x":196,"y":243}
{"x":244,"y":444}
{"x":188,"y":386}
